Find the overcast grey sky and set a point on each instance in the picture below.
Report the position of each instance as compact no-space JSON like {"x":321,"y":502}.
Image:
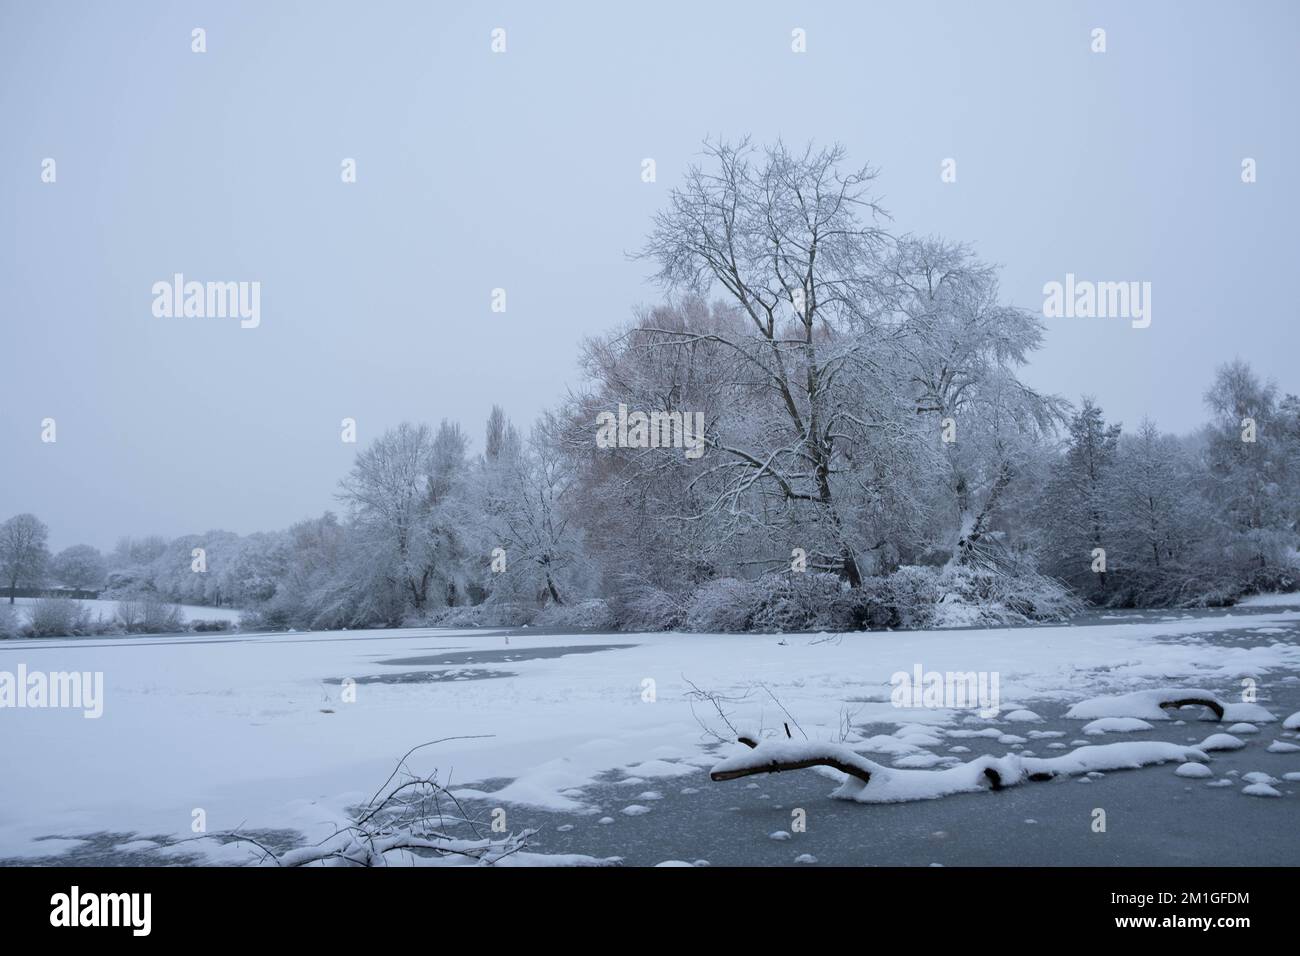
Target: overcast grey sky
{"x":522,"y":170}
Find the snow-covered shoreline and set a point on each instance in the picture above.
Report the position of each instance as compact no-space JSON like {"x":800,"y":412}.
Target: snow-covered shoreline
{"x":108,"y":608}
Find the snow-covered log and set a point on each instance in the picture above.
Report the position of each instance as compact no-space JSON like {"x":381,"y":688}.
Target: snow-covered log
{"x":778,"y":756}
{"x":1147,"y":704}
{"x":869,"y":782}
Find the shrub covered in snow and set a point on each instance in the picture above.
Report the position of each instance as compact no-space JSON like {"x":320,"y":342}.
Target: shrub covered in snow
{"x":727,"y":605}
{"x":799,"y":602}
{"x":912,"y":593}
{"x":59,"y":617}
{"x":148,"y":615}
{"x":10,"y":623}
{"x":210,"y":626}
{"x":639,"y":606}
{"x":911,"y":597}
{"x":593,"y":615}
{"x":492,"y":614}
{"x":1003,"y":597}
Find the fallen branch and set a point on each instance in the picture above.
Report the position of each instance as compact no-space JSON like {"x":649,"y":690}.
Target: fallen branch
{"x":870,"y":782}
{"x":778,"y":766}
{"x":1147,"y":704}
{"x":1209,"y":702}
{"x":402,"y":818}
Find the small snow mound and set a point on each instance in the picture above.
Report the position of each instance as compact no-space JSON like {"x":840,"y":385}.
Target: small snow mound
{"x":921,"y":761}
{"x":1243,"y":728}
{"x":779,"y":835}
{"x":1292,"y":722}
{"x":650,"y":795}
{"x":1253,"y":713}
{"x":1261,"y":790}
{"x":1023,"y":716}
{"x":805,"y":858}
{"x":605,"y":820}
{"x":1258,"y":776}
{"x":635,"y":810}
{"x":659,"y":768}
{"x":1292,"y":777}
{"x":1221,"y":782}
{"x":1221,"y":742}
{"x":1282,"y":747}
{"x":1115,"y":725}
{"x":1195,"y":770}
{"x":674,"y":863}
{"x":920,"y":740}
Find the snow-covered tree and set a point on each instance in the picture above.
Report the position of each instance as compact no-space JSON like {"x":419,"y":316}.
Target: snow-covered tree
{"x":1250,"y":458}
{"x":388,"y":494}
{"x":80,"y":566}
{"x":1075,"y":511}
{"x":1157,"y":520}
{"x":961,"y":347}
{"x":792,"y":239}
{"x":24,"y":554}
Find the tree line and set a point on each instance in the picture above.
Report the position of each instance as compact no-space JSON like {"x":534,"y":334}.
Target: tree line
{"x":872,"y":458}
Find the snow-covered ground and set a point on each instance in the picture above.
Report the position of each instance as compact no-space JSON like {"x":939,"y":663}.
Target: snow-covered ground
{"x":253,"y":730}
{"x":191,"y":612}
{"x":1271,"y":600}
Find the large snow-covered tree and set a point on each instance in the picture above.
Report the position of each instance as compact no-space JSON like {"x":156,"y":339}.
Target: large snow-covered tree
{"x":792,"y":238}
{"x":24,"y":554}
{"x":960,"y":347}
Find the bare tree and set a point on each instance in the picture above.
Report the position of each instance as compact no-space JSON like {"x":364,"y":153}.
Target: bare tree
{"x":527,"y":487}
{"x":783,"y":234}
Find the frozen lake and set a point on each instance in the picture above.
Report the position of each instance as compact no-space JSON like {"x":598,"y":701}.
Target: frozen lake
{"x":260,"y":733}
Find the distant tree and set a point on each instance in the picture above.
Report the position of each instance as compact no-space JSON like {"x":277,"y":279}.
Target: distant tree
{"x":23,"y":552}
{"x":502,"y":437}
{"x":527,"y":501}
{"x":80,"y":566}
{"x":450,"y":514}
{"x":407,"y":495}
{"x":1251,"y":461}
{"x":1158,"y":518}
{"x":137,"y":552}
{"x":1075,"y":511}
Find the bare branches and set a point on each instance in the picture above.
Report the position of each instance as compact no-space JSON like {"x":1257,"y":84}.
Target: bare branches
{"x":406,"y":819}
